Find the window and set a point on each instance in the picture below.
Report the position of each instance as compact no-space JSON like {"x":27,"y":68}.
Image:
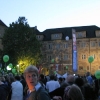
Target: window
{"x":92,"y":44}
{"x":65,"y":45}
{"x":80,"y":67}
{"x":66,"y":57}
{"x":57,"y":46}
{"x":94,"y":56}
{"x":79,"y":35}
{"x":98,"y":33}
{"x":87,"y":67}
{"x":49,"y":57}
{"x":50,"y":46}
{"x":59,"y":57}
{"x":83,"y":56}
{"x":99,"y":44}
{"x":83,"y":44}
{"x":56,"y":35}
{"x":38,"y":36}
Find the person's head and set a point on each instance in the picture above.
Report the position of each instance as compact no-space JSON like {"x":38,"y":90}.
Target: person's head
{"x":31,"y":76}
{"x":17,"y":78}
{"x":79,"y":82}
{"x":41,"y":76}
{"x":11,"y":79}
{"x":75,"y":93}
{"x":52,"y":77}
{"x":88,"y":73}
{"x":70,"y":79}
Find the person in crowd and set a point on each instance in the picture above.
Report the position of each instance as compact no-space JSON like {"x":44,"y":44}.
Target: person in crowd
{"x":60,"y":91}
{"x":60,"y":79}
{"x":80,"y":83}
{"x":22,"y":80}
{"x":35,"y":90}
{"x":4,"y":90}
{"x":42,"y":79}
{"x":73,"y":92}
{"x":89,"y":78}
{"x":17,"y":89}
{"x":52,"y":84}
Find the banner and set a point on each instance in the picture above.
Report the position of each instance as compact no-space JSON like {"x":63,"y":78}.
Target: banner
{"x":74,"y":51}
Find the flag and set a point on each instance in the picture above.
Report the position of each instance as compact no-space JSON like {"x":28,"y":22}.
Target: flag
{"x":74,"y":51}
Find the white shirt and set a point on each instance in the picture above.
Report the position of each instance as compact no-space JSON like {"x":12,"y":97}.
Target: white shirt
{"x":52,"y":85}
{"x":17,"y":91}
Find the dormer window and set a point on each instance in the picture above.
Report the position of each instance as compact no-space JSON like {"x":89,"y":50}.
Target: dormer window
{"x":97,"y":33}
{"x":56,"y":35}
{"x":38,"y":36}
{"x":81,"y":34}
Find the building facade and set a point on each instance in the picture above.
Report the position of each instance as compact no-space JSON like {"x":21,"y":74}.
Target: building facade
{"x":57,"y":52}
{"x":54,"y":46}
{"x":2,"y":30}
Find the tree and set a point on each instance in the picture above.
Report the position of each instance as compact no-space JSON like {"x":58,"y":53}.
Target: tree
{"x":20,"y":43}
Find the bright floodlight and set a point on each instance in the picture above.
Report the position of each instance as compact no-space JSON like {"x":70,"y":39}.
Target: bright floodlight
{"x":8,"y":68}
{"x":67,"y":38}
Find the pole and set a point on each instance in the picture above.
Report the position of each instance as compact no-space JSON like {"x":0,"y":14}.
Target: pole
{"x":90,"y":68}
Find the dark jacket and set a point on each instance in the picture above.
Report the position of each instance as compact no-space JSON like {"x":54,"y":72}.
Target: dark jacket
{"x":41,"y":94}
{"x":4,"y":91}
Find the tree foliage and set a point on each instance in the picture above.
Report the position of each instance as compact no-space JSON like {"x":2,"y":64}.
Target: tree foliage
{"x":19,"y":42}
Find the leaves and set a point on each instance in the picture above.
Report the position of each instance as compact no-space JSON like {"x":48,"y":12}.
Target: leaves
{"x":20,"y":41}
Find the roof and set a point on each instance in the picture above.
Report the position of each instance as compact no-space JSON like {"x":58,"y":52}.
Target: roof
{"x":2,"y":24}
{"x":67,"y":31}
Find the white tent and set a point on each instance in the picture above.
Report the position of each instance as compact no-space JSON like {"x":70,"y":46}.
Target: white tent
{"x":65,"y":75}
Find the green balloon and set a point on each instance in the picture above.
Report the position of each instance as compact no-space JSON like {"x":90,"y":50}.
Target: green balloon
{"x":90,"y":59}
{"x":10,"y":65}
{"x":14,"y":70}
{"x":15,"y":73}
{"x":67,"y":67}
{"x":52,"y":60}
{"x":54,"y":72}
{"x":5,"y":58}
{"x":97,"y":74}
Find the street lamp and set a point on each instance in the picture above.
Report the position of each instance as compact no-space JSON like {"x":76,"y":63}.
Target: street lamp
{"x":18,"y":68}
{"x":67,"y":38}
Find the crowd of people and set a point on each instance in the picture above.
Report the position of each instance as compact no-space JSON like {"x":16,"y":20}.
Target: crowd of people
{"x":34,"y":86}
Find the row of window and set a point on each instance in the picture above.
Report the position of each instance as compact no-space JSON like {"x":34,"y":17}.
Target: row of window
{"x":78,"y":35}
{"x":67,"y":56}
{"x":65,"y":45}
{"x":87,"y":68}
{"x":64,"y":57}
{"x":57,"y":46}
{"x":64,"y":68}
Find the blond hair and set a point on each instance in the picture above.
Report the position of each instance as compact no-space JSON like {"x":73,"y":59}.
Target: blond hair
{"x":30,"y":69}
